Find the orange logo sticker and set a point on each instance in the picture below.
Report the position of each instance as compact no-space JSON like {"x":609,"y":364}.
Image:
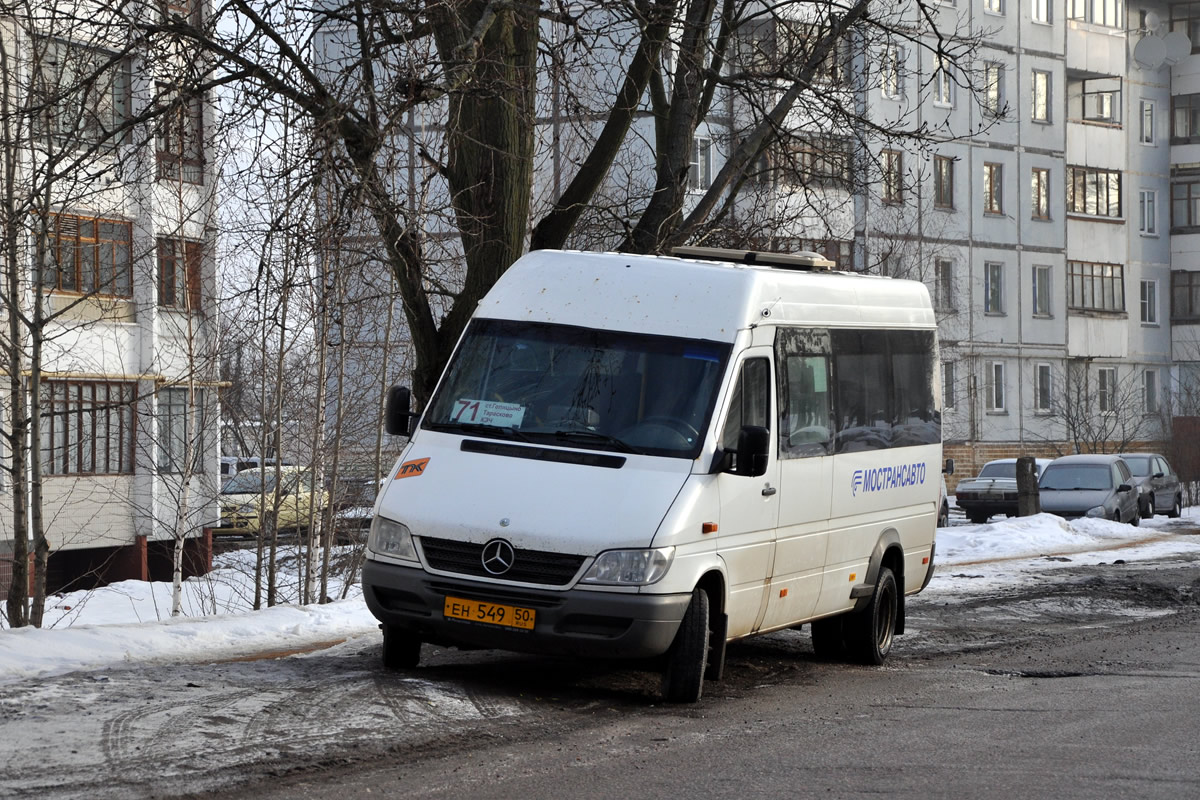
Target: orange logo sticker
{"x":412,"y":469}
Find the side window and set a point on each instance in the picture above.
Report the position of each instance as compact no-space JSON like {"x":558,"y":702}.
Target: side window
{"x":751,"y":402}
{"x":1160,"y":465}
{"x":806,"y":420}
{"x":884,"y":389}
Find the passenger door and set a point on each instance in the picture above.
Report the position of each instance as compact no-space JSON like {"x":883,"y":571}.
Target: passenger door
{"x":1166,"y":487}
{"x":749,"y":505}
{"x":806,"y":486}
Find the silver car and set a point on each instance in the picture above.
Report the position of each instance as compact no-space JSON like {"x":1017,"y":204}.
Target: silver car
{"x":1157,"y":484}
{"x":1098,"y":486}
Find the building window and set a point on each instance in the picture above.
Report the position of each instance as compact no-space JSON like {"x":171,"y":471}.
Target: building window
{"x":1185,"y":202}
{"x":1185,"y":118}
{"x":1041,"y":96}
{"x":893,"y":176}
{"x":993,"y":82}
{"x":993,"y":287}
{"x":891,"y":71}
{"x":1146,"y":131}
{"x":173,"y":413}
{"x":700,"y":164}
{"x":1095,"y":287}
{"x":180,"y":141}
{"x":1185,"y":17}
{"x":88,"y":427}
{"x":944,"y":284}
{"x":83,"y":94}
{"x":180,"y":266}
{"x":1041,"y":11}
{"x":1095,"y":192}
{"x":1106,"y":389}
{"x":1041,"y":291}
{"x":943,"y":182}
{"x":1039,"y":191}
{"x":184,"y":9}
{"x":1148,"y":212}
{"x":993,"y":188}
{"x":943,"y":84}
{"x":1101,"y":100}
{"x":1150,"y":391}
{"x":89,"y":256}
{"x":995,"y":386}
{"x":993,"y":6}
{"x":1110,"y":13}
{"x":815,"y":161}
{"x":1149,"y":302}
{"x":947,"y":385}
{"x":1185,"y":297}
{"x":1041,"y":387}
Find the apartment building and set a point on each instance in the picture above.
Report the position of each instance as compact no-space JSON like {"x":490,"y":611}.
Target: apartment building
{"x":109,"y":297}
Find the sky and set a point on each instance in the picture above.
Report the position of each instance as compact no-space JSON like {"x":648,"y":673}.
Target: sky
{"x":129,"y":623}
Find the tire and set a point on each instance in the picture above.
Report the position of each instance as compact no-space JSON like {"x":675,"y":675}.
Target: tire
{"x":870,"y":632}
{"x":1177,"y":509}
{"x":1116,"y":517}
{"x":978,"y":517}
{"x":1136,"y":519}
{"x":828,"y":640}
{"x":1148,"y":511}
{"x":683,"y":676}
{"x":944,"y":516}
{"x":401,"y":649}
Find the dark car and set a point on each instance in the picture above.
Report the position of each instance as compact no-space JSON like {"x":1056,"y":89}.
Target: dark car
{"x":1157,"y":484}
{"x":1098,"y":486}
{"x":993,"y":490}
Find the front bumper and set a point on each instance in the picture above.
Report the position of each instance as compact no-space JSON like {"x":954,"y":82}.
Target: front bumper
{"x":574,"y":622}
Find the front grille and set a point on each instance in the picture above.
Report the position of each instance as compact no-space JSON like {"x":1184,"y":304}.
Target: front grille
{"x":529,"y":566}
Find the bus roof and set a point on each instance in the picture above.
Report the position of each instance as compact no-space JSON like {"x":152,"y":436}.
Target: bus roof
{"x":694,"y":298}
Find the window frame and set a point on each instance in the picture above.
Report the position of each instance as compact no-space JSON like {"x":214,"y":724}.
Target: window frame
{"x":188,"y":294}
{"x":993,"y":188}
{"x":1146,"y":113}
{"x":1042,"y":11}
{"x":1106,"y":390}
{"x":1185,"y":287}
{"x":949,"y":398}
{"x":1112,"y":12}
{"x":1148,"y":302}
{"x":943,"y":182}
{"x":1148,"y":212}
{"x":994,"y":383}
{"x":943,"y":84}
{"x":993,"y":88}
{"x":943,"y":276}
{"x":1039,"y":191}
{"x":1043,"y":288}
{"x":1150,"y":390}
{"x":75,"y":249}
{"x":892,"y":166}
{"x":1042,"y":94}
{"x":1043,"y":387}
{"x":1189,"y":203}
{"x":173,"y":404}
{"x":700,"y":164}
{"x":1106,"y":182}
{"x":88,"y":410}
{"x":993,"y":287}
{"x":891,"y":72}
{"x":1083,"y":278}
{"x":179,"y":141}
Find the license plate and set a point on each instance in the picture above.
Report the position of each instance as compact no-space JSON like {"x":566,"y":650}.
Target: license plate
{"x":489,"y":613}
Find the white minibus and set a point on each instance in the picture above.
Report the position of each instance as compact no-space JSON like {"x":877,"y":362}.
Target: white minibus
{"x":648,"y":457}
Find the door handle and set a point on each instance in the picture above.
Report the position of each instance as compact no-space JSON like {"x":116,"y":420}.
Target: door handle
{"x":767,"y":492}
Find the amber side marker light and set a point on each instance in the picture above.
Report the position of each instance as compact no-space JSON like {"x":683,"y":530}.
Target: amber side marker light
{"x":708,"y":527}
{"x":853,"y":575}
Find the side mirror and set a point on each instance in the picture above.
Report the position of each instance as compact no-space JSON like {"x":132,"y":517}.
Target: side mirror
{"x":753,"y":450}
{"x":1124,"y":487}
{"x":397,"y":413}
{"x":1157,"y":475}
{"x":949,"y":468}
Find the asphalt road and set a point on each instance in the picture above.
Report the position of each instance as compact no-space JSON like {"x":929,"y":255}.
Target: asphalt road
{"x":1083,"y":684}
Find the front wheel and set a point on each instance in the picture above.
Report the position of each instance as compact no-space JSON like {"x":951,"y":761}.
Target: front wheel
{"x":683,"y":676}
{"x":870,"y":632}
{"x":401,"y":649}
{"x":1147,"y":511}
{"x":978,"y":517}
{"x":1177,"y":509}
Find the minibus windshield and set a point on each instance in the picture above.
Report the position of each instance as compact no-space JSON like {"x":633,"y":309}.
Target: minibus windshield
{"x":580,"y":387}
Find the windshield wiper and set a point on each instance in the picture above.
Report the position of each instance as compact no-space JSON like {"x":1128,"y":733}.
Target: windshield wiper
{"x":581,"y":434}
{"x":481,"y":430}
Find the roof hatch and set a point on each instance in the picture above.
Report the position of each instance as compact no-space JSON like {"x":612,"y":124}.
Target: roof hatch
{"x":805,"y":261}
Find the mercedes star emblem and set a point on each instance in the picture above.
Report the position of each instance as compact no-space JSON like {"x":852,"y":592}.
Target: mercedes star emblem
{"x":497,"y":556}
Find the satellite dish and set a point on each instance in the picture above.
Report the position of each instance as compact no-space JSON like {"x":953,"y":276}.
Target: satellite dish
{"x":1150,"y":53}
{"x":1179,"y":46}
{"x":1153,"y":21}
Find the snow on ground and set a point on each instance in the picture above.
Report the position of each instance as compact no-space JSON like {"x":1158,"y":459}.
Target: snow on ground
{"x":130,"y":622}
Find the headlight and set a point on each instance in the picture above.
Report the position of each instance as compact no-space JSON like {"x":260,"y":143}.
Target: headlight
{"x":630,"y":567}
{"x":1098,"y":511}
{"x":390,"y":538}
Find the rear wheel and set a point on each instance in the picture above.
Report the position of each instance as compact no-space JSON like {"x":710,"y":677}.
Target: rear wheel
{"x":1135,"y":519}
{"x":401,"y":649}
{"x":1177,"y":509}
{"x":978,"y":517}
{"x":869,"y":633}
{"x":943,"y":516}
{"x":683,"y":676}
